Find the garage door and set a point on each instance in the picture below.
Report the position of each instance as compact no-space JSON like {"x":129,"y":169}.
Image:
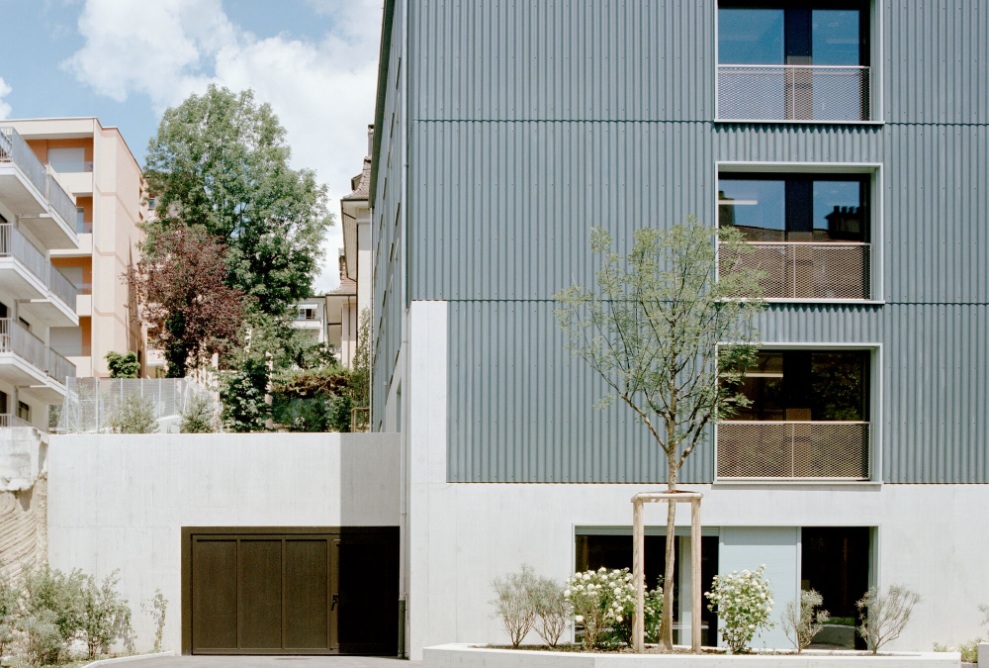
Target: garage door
{"x":290,"y":591}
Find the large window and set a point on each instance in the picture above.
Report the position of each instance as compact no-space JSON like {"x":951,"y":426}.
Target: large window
{"x":808,"y":417}
{"x":809,"y":234}
{"x":793,"y":60}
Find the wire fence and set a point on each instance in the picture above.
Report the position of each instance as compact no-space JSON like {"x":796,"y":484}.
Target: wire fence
{"x":95,"y":405}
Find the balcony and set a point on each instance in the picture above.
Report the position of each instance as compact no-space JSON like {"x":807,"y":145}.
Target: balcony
{"x":32,"y":193}
{"x":817,"y":93}
{"x":779,"y":450}
{"x":806,"y":270}
{"x":26,"y":361}
{"x":27,"y":275}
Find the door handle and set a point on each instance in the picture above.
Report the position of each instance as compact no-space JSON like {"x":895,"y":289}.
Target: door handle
{"x":335,"y":600}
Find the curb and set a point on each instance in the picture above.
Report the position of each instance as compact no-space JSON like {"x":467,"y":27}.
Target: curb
{"x":125,"y":659}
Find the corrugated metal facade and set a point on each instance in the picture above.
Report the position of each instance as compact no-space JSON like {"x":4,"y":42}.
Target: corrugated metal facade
{"x":389,"y":248}
{"x":530,"y":122}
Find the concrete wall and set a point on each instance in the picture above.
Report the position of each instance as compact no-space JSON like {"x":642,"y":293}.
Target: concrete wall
{"x":120,"y":501}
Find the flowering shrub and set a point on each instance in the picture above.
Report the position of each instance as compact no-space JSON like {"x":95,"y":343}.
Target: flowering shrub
{"x":743,"y":602}
{"x":652,"y":611}
{"x":600,"y":599}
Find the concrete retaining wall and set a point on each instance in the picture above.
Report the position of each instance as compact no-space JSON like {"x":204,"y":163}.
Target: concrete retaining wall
{"x":120,"y":501}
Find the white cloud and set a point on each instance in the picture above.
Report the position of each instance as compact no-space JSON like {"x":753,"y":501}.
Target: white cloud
{"x":5,"y":90}
{"x":323,"y":92}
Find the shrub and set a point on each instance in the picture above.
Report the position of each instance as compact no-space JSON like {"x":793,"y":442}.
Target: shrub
{"x":600,"y":600}
{"x":515,"y":603}
{"x":801,"y":624}
{"x":197,"y":418}
{"x":157,"y":607}
{"x":8,"y":610}
{"x":136,"y":415}
{"x":884,"y":615}
{"x":743,"y":602}
{"x":106,"y":617}
{"x":52,"y":609}
{"x":969,"y":650}
{"x":123,"y":366}
{"x":243,"y":396}
{"x":552,"y":610}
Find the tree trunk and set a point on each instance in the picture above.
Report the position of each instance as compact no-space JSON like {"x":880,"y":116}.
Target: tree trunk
{"x":666,"y":634}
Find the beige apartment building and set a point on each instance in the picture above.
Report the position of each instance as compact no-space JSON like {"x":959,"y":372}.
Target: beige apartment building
{"x":95,"y":166}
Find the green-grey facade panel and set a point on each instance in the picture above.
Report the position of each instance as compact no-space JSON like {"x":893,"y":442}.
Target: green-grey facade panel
{"x":607,"y":60}
{"x":522,"y":409}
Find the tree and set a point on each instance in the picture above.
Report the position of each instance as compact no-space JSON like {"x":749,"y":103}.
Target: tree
{"x":652,"y":329}
{"x":123,"y":366}
{"x":180,"y":285}
{"x":220,"y":162}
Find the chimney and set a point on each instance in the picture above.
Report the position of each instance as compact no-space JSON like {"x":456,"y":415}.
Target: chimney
{"x":370,"y":139}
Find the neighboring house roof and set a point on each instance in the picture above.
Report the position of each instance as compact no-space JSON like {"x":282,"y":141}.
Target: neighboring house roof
{"x":347,"y":288}
{"x":361,"y":183}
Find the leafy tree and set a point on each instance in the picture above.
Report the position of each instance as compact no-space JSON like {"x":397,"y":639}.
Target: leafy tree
{"x":651,"y":329}
{"x":123,"y":366}
{"x":360,"y":373}
{"x":135,"y":415}
{"x":180,"y":285}
{"x":243,"y":396}
{"x":220,"y":162}
{"x":106,"y":616}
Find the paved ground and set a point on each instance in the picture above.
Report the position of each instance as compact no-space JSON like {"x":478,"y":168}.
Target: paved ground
{"x":269,"y":662}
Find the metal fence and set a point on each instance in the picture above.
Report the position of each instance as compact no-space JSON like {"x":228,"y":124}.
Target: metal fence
{"x":794,"y":92}
{"x":827,"y":450}
{"x":806,"y":270}
{"x":93,"y":405}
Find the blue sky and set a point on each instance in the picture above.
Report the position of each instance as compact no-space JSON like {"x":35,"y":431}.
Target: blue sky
{"x":126,"y":61}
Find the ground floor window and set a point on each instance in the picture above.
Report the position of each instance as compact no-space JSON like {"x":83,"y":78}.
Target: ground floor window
{"x":835,"y":561}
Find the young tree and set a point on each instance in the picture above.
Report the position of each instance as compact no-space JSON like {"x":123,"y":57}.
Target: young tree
{"x":180,"y":285}
{"x":123,"y":366}
{"x":220,"y":162}
{"x":652,"y":328}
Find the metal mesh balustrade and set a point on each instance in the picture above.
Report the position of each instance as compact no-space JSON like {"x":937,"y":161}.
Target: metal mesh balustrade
{"x":796,"y":270}
{"x":794,"y":92}
{"x":827,"y":450}
{"x":91,"y":404}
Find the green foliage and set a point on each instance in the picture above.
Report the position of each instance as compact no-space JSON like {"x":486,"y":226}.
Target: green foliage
{"x":602,"y":600}
{"x":157,"y":607}
{"x":52,"y":612}
{"x":219,"y":161}
{"x":135,"y":415}
{"x":515,"y":602}
{"x":969,"y":650}
{"x":243,"y":395}
{"x":9,"y":595}
{"x":884,"y":616}
{"x":123,"y":366}
{"x":197,"y":418}
{"x":743,"y":602}
{"x":106,"y":617}
{"x":801,"y":624}
{"x":359,"y":385}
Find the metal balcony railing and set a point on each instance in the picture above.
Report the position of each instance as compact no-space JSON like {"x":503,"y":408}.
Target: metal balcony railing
{"x":805,"y":270}
{"x":16,"y":339}
{"x":72,"y":166}
{"x":794,"y":92}
{"x":800,"y":450}
{"x":13,"y":149}
{"x":14,"y":244}
{"x":60,"y":201}
{"x":11,"y":420}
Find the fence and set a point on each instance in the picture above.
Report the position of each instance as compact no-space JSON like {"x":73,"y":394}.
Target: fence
{"x":93,"y":404}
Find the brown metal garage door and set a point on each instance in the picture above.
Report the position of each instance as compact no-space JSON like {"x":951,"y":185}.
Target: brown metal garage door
{"x":290,"y":590}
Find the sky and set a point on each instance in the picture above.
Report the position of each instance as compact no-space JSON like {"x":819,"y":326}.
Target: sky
{"x":126,"y":61}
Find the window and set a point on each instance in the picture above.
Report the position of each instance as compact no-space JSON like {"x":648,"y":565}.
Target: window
{"x":23,"y":411}
{"x":793,"y":60}
{"x":64,"y":160}
{"x":808,"y":417}
{"x":305,"y":312}
{"x":810,"y":234}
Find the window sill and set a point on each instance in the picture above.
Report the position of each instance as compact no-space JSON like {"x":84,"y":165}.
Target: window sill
{"x":784,"y":121}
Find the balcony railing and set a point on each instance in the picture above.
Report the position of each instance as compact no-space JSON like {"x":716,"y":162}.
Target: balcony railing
{"x":15,"y":338}
{"x":794,"y":92}
{"x":72,"y":166}
{"x":13,"y":149}
{"x":798,"y":450}
{"x":60,"y":201}
{"x":11,"y":420}
{"x":14,"y":244}
{"x":805,"y":270}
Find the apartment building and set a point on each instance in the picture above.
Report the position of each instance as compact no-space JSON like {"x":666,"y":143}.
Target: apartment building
{"x":37,"y":221}
{"x":846,"y":140}
{"x":95,"y":166}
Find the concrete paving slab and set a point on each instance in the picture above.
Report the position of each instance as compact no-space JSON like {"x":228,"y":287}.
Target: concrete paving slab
{"x":272,"y":662}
